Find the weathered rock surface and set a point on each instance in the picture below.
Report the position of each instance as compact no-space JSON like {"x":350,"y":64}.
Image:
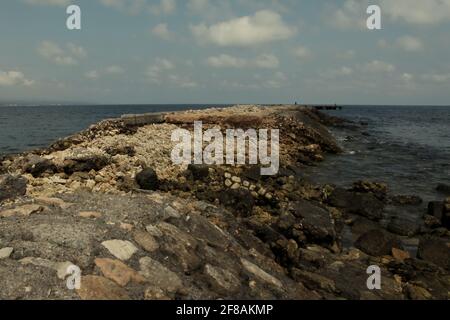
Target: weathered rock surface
{"x":110,"y":201}
{"x":12,"y":187}
{"x":377,"y":243}
{"x":436,"y":251}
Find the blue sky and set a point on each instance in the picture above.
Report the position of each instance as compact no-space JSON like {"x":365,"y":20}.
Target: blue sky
{"x":217,"y":51}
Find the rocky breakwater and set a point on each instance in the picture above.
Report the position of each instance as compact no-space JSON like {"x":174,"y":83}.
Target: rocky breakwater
{"x":110,"y":201}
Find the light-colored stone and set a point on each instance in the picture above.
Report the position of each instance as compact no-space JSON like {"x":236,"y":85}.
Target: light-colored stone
{"x":228,"y":183}
{"x":100,"y":288}
{"x":121,"y":249}
{"x":400,"y":255}
{"x":6,"y":252}
{"x":90,"y":214}
{"x":118,"y":271}
{"x":227,"y":175}
{"x":126,"y":226}
{"x":236,"y":179}
{"x":55,"y":202}
{"x":160,"y":276}
{"x":235,"y":186}
{"x":154,"y":231}
{"x":62,"y":269}
{"x":170,"y":212}
{"x":260,"y":273}
{"x":146,"y":241}
{"x":24,"y":211}
{"x":221,"y":278}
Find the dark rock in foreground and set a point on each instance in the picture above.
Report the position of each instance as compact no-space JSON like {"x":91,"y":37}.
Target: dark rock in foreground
{"x":443,"y":188}
{"x":377,"y":243}
{"x":363,"y":204}
{"x":147,"y":179}
{"x":435,"y":250}
{"x":12,"y":187}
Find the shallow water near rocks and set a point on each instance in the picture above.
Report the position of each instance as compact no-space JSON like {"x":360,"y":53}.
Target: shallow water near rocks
{"x":407,"y":147}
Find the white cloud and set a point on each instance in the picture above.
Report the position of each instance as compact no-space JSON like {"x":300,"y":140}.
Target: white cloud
{"x":92,"y":74}
{"x":302,"y":52}
{"x":437,"y":77}
{"x":13,"y":78}
{"x":264,"y":61}
{"x":370,"y":68}
{"x":417,"y":11}
{"x":164,"y":7}
{"x":77,"y":51}
{"x":114,"y":70}
{"x":182,"y":82}
{"x":49,"y":2}
{"x":263,"y":27}
{"x":162,"y":31}
{"x":128,"y":6}
{"x":409,"y":43}
{"x":352,"y":15}
{"x":111,"y":70}
{"x":377,"y":66}
{"x":343,"y":71}
{"x":156,"y":71}
{"x":55,"y":53}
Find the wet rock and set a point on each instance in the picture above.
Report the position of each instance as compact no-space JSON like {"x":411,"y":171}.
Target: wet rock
{"x":446,"y":220}
{"x":436,"y":209}
{"x":160,"y":276}
{"x":239,"y":201}
{"x":378,"y":189}
{"x":434,"y":250}
{"x":199,"y":172}
{"x":363,"y":204}
{"x":118,"y":271}
{"x":100,"y":288}
{"x":147,"y":179}
{"x":431,"y":222}
{"x":316,"y":222}
{"x":402,"y":227}
{"x":377,"y":243}
{"x":12,"y":187}
{"x":37,"y":166}
{"x":122,"y":250}
{"x":5,"y":252}
{"x":406,"y":200}
{"x":443,"y":188}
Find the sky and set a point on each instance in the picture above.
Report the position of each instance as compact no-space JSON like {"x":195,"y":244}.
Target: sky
{"x":218,"y":51}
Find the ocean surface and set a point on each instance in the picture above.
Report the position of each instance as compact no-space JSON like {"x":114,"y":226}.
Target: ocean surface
{"x":24,"y":128}
{"x":406,"y":147}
